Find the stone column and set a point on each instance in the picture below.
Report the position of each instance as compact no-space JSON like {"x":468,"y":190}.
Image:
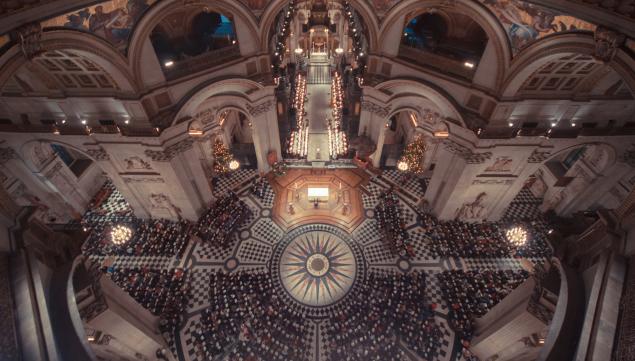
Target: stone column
{"x":266,"y":135}
{"x":31,"y":186}
{"x":102,"y":157}
{"x":372,"y":120}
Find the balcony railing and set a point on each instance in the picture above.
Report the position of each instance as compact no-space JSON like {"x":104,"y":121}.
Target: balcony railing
{"x":202,"y":62}
{"x":443,"y":63}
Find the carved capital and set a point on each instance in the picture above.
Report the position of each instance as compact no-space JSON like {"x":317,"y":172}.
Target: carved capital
{"x":6,"y":154}
{"x":375,"y":108}
{"x":607,"y":42}
{"x":258,"y":109}
{"x":99,"y":154}
{"x":30,"y":36}
{"x":538,"y":156}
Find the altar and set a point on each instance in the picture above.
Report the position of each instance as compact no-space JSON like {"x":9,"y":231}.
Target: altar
{"x":318,"y":196}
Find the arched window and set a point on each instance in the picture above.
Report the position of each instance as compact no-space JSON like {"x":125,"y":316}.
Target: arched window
{"x":448,"y":41}
{"x":181,"y":45}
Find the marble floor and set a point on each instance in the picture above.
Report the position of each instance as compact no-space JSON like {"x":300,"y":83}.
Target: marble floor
{"x":315,"y":267}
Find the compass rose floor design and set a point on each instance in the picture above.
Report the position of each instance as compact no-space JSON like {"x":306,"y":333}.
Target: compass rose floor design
{"x":317,"y":268}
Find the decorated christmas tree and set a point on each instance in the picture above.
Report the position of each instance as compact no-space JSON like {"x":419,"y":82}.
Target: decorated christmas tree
{"x":413,"y":155}
{"x":222,"y":157}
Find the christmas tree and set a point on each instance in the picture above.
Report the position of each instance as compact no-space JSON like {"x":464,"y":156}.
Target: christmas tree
{"x":222,"y":157}
{"x":413,"y":155}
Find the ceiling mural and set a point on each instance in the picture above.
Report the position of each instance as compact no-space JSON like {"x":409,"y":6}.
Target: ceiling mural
{"x":525,"y":23}
{"x":114,"y":20}
{"x":110,"y":20}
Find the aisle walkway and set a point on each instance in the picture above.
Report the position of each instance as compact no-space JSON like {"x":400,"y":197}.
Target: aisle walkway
{"x":318,"y":109}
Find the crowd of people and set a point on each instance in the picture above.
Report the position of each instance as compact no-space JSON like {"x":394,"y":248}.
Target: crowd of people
{"x":470,"y":294}
{"x":386,"y":310}
{"x":162,"y":292}
{"x":259,"y":188}
{"x":481,"y":239}
{"x":247,"y":321}
{"x":149,"y":238}
{"x":391,"y":224}
{"x":219,"y":223}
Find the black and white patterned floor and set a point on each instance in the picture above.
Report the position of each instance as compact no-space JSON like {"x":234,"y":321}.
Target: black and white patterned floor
{"x":256,"y":245}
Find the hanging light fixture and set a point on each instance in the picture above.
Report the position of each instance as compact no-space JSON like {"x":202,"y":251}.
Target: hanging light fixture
{"x":234,"y":164}
{"x":402,"y":166}
{"x":120,"y":234}
{"x":517,"y":236}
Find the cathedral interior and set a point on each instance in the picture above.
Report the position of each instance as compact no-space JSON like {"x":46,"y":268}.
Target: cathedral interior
{"x":317,"y":180}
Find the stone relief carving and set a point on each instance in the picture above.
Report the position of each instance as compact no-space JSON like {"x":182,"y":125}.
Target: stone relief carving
{"x":537,"y":185}
{"x":160,"y":200}
{"x":98,"y":153}
{"x":501,"y":164}
{"x":628,"y":156}
{"x":258,"y":109}
{"x":30,"y":36}
{"x":6,"y":154}
{"x":375,"y":108}
{"x":43,"y":153}
{"x":136,"y":163}
{"x":552,"y":202}
{"x":170,"y":152}
{"x":465,"y":153}
{"x":206,"y":116}
{"x":607,"y":42}
{"x":471,"y":211}
{"x":538,"y":156}
{"x":143,"y":180}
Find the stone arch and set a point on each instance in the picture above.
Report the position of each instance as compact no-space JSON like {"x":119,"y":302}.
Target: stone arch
{"x":230,"y":93}
{"x":244,"y":21}
{"x":274,"y":7}
{"x":476,"y":11}
{"x":421,"y":95}
{"x":555,"y":46}
{"x":597,"y":157}
{"x":89,"y":46}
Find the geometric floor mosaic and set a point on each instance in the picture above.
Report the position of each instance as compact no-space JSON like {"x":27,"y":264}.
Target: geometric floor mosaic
{"x":259,"y":246}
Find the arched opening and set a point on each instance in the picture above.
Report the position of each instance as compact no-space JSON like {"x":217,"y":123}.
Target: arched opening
{"x":400,"y":131}
{"x":72,"y":186}
{"x":562,"y":184}
{"x":237,"y":132}
{"x":447,"y":41}
{"x":192,"y":39}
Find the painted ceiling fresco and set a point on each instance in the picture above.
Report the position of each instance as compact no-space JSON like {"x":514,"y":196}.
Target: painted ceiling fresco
{"x":110,"y":20}
{"x":524,"y":23}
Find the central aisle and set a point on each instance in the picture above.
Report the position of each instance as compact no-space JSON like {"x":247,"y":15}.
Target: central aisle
{"x":318,"y":110}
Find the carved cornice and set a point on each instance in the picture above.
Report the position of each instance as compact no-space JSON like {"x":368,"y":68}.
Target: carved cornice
{"x":375,"y":108}
{"x":465,"y":153}
{"x":170,"y":152}
{"x":143,"y":180}
{"x":259,"y":108}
